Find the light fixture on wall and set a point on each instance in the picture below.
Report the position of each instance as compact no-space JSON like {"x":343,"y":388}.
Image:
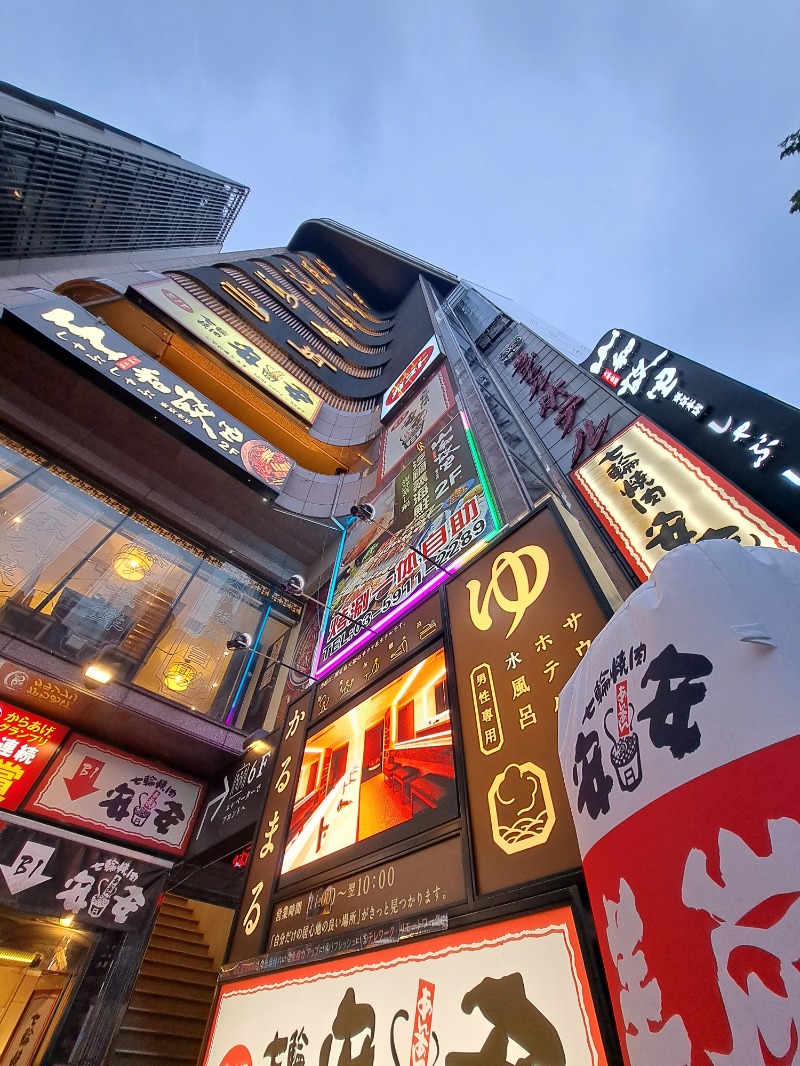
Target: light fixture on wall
{"x":257,"y":742}
{"x":97,"y":673}
{"x":132,"y":562}
{"x":295,"y":586}
{"x":243,"y":641}
{"x":365,"y":512}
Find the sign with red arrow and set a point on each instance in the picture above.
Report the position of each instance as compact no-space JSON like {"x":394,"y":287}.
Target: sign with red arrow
{"x":117,"y":796}
{"x":27,"y":744}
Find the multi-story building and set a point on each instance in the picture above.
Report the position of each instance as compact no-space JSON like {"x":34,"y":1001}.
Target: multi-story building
{"x":335,"y":456}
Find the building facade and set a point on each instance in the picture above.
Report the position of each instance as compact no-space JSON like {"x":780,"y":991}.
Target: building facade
{"x":298,"y":548}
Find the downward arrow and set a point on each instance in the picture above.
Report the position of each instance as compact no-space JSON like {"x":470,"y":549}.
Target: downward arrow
{"x":25,"y":871}
{"x":82,"y":782}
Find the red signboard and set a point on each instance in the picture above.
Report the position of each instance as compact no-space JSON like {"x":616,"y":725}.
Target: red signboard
{"x":27,"y":744}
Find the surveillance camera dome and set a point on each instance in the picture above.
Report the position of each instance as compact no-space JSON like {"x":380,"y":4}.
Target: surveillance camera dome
{"x":364,"y":511}
{"x":295,"y":584}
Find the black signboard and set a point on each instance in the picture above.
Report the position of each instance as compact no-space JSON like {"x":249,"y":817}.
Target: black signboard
{"x":56,"y":876}
{"x":234,"y":803}
{"x":115,"y":359}
{"x":427,"y":880}
{"x":397,"y":643}
{"x":749,"y":437}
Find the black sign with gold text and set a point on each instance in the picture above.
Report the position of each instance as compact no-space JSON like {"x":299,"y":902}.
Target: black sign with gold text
{"x":250,"y":924}
{"x":428,"y":880}
{"x":522,"y":617}
{"x":391,"y":649}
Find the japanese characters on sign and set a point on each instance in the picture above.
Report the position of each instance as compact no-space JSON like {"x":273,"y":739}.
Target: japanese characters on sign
{"x":27,"y":744}
{"x":21,"y":683}
{"x":679,"y":742}
{"x":652,"y":496}
{"x":515,"y":991}
{"x":250,"y":923}
{"x":234,"y":804}
{"x":749,"y":437}
{"x":31,"y":1029}
{"x":522,"y":618}
{"x":168,"y":295}
{"x":437,"y":503}
{"x":416,"y":628}
{"x":99,"y":788}
{"x":402,"y":387}
{"x":427,"y":880}
{"x":401,"y":435}
{"x":54,"y":875}
{"x":147,"y":381}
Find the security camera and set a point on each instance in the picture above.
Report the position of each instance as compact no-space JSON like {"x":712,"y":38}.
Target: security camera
{"x":239,"y":641}
{"x":364,"y":511}
{"x":295,"y":585}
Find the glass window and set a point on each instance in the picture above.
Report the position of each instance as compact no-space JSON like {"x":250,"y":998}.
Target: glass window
{"x":14,"y":464}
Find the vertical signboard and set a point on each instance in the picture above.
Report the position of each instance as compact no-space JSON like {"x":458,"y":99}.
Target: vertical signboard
{"x":27,"y":744}
{"x":252,"y":920}
{"x":522,"y":617}
{"x":439,"y":505}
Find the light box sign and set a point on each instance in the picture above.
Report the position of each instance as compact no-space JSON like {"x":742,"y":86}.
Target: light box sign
{"x":522,"y":617}
{"x":402,"y":387}
{"x":438,"y":502}
{"x":94,"y":787}
{"x":383,"y":769}
{"x":514,"y":991}
{"x":27,"y":744}
{"x":146,"y":381}
{"x":402,"y":434}
{"x":748,"y":436}
{"x":167,"y":295}
{"x":652,"y":495}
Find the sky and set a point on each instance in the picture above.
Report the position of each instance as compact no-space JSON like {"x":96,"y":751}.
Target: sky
{"x":604,"y":164}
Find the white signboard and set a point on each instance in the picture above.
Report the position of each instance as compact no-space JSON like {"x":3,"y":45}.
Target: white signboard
{"x":516,"y":991}
{"x":98,"y":788}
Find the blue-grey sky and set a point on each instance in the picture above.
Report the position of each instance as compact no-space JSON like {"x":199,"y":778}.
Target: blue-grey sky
{"x":604,"y":164}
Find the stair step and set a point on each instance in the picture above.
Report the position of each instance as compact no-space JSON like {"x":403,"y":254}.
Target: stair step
{"x":146,"y":1019}
{"x":188,"y":936}
{"x":176,"y":957}
{"x":161,"y":942}
{"x":187,"y":1001}
{"x":174,"y":972}
{"x":164,"y":1044}
{"x":146,"y":1058}
{"x":174,"y":905}
{"x":172,"y":921}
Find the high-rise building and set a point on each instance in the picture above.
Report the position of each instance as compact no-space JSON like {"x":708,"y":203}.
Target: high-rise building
{"x":298,"y":548}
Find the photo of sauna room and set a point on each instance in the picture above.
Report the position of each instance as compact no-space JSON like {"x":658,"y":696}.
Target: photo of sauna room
{"x":385,"y":764}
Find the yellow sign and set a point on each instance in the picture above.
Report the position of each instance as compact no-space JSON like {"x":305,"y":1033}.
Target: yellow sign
{"x":233,"y":346}
{"x":521,"y":808}
{"x":525,"y":591}
{"x":652,"y":495}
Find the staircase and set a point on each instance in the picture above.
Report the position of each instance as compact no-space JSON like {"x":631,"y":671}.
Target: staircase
{"x":172,"y":997}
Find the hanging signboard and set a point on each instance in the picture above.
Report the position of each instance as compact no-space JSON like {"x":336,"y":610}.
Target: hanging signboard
{"x":522,"y":617}
{"x":513,"y":991}
{"x":168,"y":295}
{"x":27,"y":744}
{"x":32,"y":1027}
{"x":652,"y":495}
{"x":749,"y":437}
{"x":147,"y":382}
{"x":679,"y":740}
{"x":54,"y":875}
{"x":402,"y":387}
{"x":416,"y":628}
{"x":437,"y":502}
{"x":403,"y":434}
{"x":252,"y":919}
{"x":101,"y":789}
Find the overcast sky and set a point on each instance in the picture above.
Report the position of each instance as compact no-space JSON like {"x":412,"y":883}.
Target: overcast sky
{"x":602,"y":162}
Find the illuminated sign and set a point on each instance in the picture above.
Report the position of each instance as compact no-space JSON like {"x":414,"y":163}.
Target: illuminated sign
{"x":520,"y":982}
{"x":522,"y":617}
{"x":137,"y":376}
{"x":652,"y":495}
{"x":386,"y":763}
{"x":400,"y":389}
{"x":424,"y":411}
{"x":27,"y":744}
{"x":438,"y":503}
{"x":749,"y":437}
{"x":233,"y":346}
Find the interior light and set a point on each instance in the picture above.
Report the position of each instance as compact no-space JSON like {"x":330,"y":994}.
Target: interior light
{"x":16,"y":519}
{"x":179,"y":676}
{"x":67,"y":919}
{"x":96,"y":674}
{"x":22,"y":958}
{"x":132,"y":562}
